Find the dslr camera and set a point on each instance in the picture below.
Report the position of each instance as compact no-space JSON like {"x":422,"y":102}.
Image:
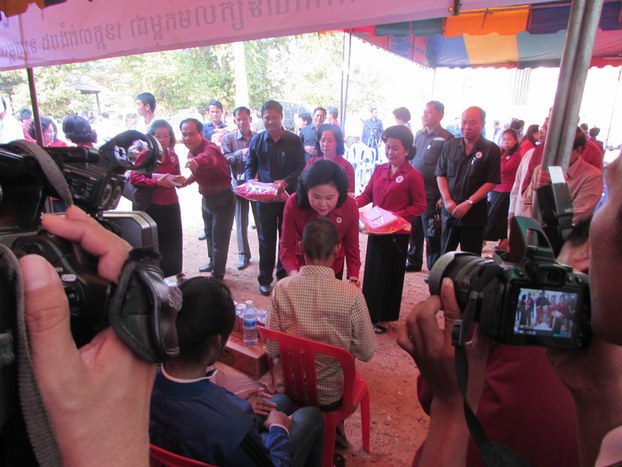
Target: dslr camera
{"x":526,"y":297}
{"x":140,"y":308}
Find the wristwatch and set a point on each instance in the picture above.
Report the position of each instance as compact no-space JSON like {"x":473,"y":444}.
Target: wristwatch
{"x":469,"y":201}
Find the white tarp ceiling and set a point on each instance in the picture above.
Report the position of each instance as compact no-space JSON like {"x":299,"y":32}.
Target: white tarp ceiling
{"x":81,"y":30}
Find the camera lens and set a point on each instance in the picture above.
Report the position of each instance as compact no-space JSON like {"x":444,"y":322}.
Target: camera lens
{"x":463,"y":269}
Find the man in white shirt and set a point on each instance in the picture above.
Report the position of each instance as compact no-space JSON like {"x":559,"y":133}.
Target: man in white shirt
{"x":10,"y":128}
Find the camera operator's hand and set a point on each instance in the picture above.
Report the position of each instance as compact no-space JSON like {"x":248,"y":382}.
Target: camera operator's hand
{"x":594,"y":378}
{"x":544,"y":178}
{"x":429,"y":343}
{"x":97,"y":397}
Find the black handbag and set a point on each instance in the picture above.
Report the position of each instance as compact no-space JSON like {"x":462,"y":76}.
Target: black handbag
{"x":434,"y":225}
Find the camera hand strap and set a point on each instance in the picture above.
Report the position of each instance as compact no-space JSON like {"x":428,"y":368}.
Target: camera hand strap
{"x":37,"y":422}
{"x":493,"y":455}
{"x":49,"y":167}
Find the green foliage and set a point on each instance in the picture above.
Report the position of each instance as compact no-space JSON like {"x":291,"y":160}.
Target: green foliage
{"x":263,"y":81}
{"x":302,"y":70}
{"x":10,"y":84}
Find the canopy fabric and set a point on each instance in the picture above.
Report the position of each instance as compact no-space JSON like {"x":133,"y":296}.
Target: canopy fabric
{"x":524,"y":36}
{"x":81,"y":30}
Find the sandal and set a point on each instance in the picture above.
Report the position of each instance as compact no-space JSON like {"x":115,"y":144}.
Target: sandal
{"x":379,"y":329}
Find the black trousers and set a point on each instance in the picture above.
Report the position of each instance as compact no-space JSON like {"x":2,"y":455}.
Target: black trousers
{"x":415,"y":240}
{"x":383,"y":280}
{"x":418,"y":233}
{"x":270,"y":220}
{"x":170,"y":239}
{"x":469,"y":238}
{"x":218,"y":212}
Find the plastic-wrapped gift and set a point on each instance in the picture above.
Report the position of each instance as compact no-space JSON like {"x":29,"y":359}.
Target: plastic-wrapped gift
{"x":379,"y":221}
{"x":261,"y":191}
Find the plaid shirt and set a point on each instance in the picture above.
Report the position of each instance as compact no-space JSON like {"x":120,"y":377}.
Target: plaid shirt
{"x":317,"y":306}
{"x":231,"y":147}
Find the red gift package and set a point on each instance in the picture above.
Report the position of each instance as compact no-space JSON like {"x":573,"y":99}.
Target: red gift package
{"x":380,"y":221}
{"x":261,"y":191}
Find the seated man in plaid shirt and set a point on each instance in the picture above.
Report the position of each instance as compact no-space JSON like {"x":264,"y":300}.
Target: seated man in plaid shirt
{"x":316,"y":305}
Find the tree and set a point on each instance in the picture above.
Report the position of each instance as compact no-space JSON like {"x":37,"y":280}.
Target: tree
{"x":10,"y":84}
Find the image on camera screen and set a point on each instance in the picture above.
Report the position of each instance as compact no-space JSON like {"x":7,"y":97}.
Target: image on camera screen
{"x":541,"y":312}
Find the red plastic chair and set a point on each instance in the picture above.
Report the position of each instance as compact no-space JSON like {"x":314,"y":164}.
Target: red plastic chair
{"x":297,"y":357}
{"x":159,"y":457}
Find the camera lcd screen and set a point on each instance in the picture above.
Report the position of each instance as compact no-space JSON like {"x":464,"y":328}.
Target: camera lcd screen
{"x":546,"y":313}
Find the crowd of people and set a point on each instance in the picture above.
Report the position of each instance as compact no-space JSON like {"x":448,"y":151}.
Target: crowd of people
{"x":452,"y":190}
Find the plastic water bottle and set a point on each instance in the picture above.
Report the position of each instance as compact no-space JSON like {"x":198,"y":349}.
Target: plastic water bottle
{"x":249,"y":318}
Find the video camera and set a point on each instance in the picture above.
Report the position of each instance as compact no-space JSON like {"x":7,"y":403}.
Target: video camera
{"x":526,"y":297}
{"x":140,"y":308}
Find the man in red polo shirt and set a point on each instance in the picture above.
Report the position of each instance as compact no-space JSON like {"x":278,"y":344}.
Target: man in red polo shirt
{"x":210,"y":170}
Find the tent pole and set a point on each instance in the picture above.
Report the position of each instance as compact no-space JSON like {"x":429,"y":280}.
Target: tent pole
{"x":343,"y":66}
{"x":35,"y":106}
{"x":347,"y":84}
{"x":558,"y":113}
{"x":582,"y":26}
{"x":591,"y":17}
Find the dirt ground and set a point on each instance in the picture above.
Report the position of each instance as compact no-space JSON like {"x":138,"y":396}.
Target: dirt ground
{"x":399,"y":425}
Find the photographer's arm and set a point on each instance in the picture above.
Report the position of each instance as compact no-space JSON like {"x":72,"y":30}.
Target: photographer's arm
{"x":594,"y":378}
{"x":97,"y":397}
{"x":430,"y":346}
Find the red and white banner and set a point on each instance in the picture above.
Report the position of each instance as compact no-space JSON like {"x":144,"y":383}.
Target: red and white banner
{"x":81,"y":30}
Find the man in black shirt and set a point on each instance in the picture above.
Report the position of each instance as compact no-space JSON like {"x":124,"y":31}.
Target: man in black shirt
{"x":428,"y":144}
{"x":276,"y":156}
{"x":469,"y":167}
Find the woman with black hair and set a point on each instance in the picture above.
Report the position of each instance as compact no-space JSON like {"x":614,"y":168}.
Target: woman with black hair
{"x":322,"y":192}
{"x":397,"y":187}
{"x":49,"y":133}
{"x":78,"y":130}
{"x":329,"y":145}
{"x":499,"y":197}
{"x":530,"y":140}
{"x":164,"y":206}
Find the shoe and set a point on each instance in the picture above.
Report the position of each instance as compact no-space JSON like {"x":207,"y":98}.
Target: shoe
{"x":426,"y":279}
{"x":412,"y":267}
{"x":202,"y":236}
{"x":243,"y":263}
{"x":209,"y":267}
{"x":216,"y":277}
{"x":264,"y":290}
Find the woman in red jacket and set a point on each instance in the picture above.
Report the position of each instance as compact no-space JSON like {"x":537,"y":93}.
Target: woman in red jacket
{"x":499,"y":197}
{"x":164,"y":206}
{"x":397,"y":187}
{"x":329,"y":145}
{"x":322,"y":192}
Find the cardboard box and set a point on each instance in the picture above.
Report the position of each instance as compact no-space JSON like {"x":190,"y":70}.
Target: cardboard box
{"x":251,"y":359}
